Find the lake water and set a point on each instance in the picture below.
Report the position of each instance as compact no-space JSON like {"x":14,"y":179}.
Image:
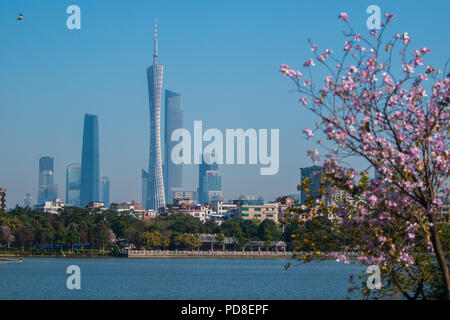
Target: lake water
{"x":176,"y":278}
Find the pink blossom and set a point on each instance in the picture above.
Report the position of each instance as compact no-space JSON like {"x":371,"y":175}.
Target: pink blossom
{"x":308,"y":133}
{"x":373,"y":199}
{"x":343,"y":16}
{"x":425,"y":50}
{"x":308,"y":63}
{"x":405,"y":38}
{"x":304,"y":100}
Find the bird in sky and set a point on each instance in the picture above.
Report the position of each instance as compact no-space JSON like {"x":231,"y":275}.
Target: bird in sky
{"x":20,"y":17}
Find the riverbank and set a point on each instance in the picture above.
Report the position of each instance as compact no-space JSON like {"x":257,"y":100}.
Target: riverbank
{"x":84,"y":253}
{"x":229,"y":254}
{"x":207,"y":254}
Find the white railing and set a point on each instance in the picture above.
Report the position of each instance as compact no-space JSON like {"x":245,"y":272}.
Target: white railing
{"x":206,"y":253}
{"x":228,"y":253}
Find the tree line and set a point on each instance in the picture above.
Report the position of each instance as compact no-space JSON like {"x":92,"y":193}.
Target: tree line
{"x":82,"y":228}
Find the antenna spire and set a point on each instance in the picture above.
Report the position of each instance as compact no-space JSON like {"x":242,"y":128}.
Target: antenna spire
{"x":155,"y":52}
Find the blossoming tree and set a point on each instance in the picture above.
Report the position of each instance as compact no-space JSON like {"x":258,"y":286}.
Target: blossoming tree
{"x":381,"y":103}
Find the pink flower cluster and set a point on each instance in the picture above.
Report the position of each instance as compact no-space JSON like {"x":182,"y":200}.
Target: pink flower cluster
{"x":400,"y":126}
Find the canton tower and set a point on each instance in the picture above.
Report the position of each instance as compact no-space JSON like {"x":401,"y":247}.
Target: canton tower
{"x":155,"y":187}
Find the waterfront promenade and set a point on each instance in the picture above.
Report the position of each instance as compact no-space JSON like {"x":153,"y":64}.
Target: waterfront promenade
{"x":203,"y":254}
{"x":222,"y":254}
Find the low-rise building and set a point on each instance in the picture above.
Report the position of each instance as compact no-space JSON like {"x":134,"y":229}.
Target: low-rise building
{"x":149,"y":214}
{"x":96,"y":205}
{"x":221,"y":207}
{"x":51,"y":206}
{"x":215,"y":242}
{"x":131,"y":206}
{"x":259,"y":212}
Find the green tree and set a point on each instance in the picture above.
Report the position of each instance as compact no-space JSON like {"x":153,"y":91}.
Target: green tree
{"x":269,"y":231}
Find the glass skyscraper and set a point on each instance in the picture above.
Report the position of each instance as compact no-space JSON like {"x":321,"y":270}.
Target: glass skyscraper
{"x":314,"y":174}
{"x":155,"y":184}
{"x":209,"y":181}
{"x":73,"y":185}
{"x":105,"y":186}
{"x":144,"y":175}
{"x":28,"y":201}
{"x":173,"y":174}
{"x":48,"y":191}
{"x":90,"y":166}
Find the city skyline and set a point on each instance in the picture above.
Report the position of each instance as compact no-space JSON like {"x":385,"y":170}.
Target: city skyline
{"x":227,"y":74}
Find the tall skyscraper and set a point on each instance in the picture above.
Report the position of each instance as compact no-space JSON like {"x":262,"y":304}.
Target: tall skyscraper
{"x":173,"y":174}
{"x":28,"y":201}
{"x":314,"y":174}
{"x":104,"y":183}
{"x":330,"y":194}
{"x":47,"y":191}
{"x":2,"y":199}
{"x":90,"y":166}
{"x":144,"y":187}
{"x":155,"y":189}
{"x":73,"y":185}
{"x":209,"y":181}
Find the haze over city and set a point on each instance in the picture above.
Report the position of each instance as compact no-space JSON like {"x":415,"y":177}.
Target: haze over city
{"x":223,"y":59}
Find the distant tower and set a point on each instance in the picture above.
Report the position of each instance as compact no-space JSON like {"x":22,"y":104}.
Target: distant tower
{"x":105,"y":187}
{"x":144,"y":175}
{"x":48,"y":191}
{"x":155,"y":189}
{"x":28,"y":201}
{"x":314,"y":174}
{"x":73,"y":185}
{"x":90,"y":165}
{"x":173,"y":173}
{"x":209,"y":180}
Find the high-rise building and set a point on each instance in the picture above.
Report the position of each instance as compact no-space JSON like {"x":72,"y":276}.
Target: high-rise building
{"x":73,"y":185}
{"x":28,"y":201}
{"x":173,"y":173}
{"x":183,"y":193}
{"x":144,"y":175}
{"x":47,"y":191}
{"x":155,"y":184}
{"x":90,"y":161}
{"x":209,"y":181}
{"x":331,"y":195}
{"x":104,"y":183}
{"x":2,"y":199}
{"x":314,"y":174}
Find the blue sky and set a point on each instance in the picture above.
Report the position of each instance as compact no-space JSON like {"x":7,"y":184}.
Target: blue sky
{"x":223,"y":57}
